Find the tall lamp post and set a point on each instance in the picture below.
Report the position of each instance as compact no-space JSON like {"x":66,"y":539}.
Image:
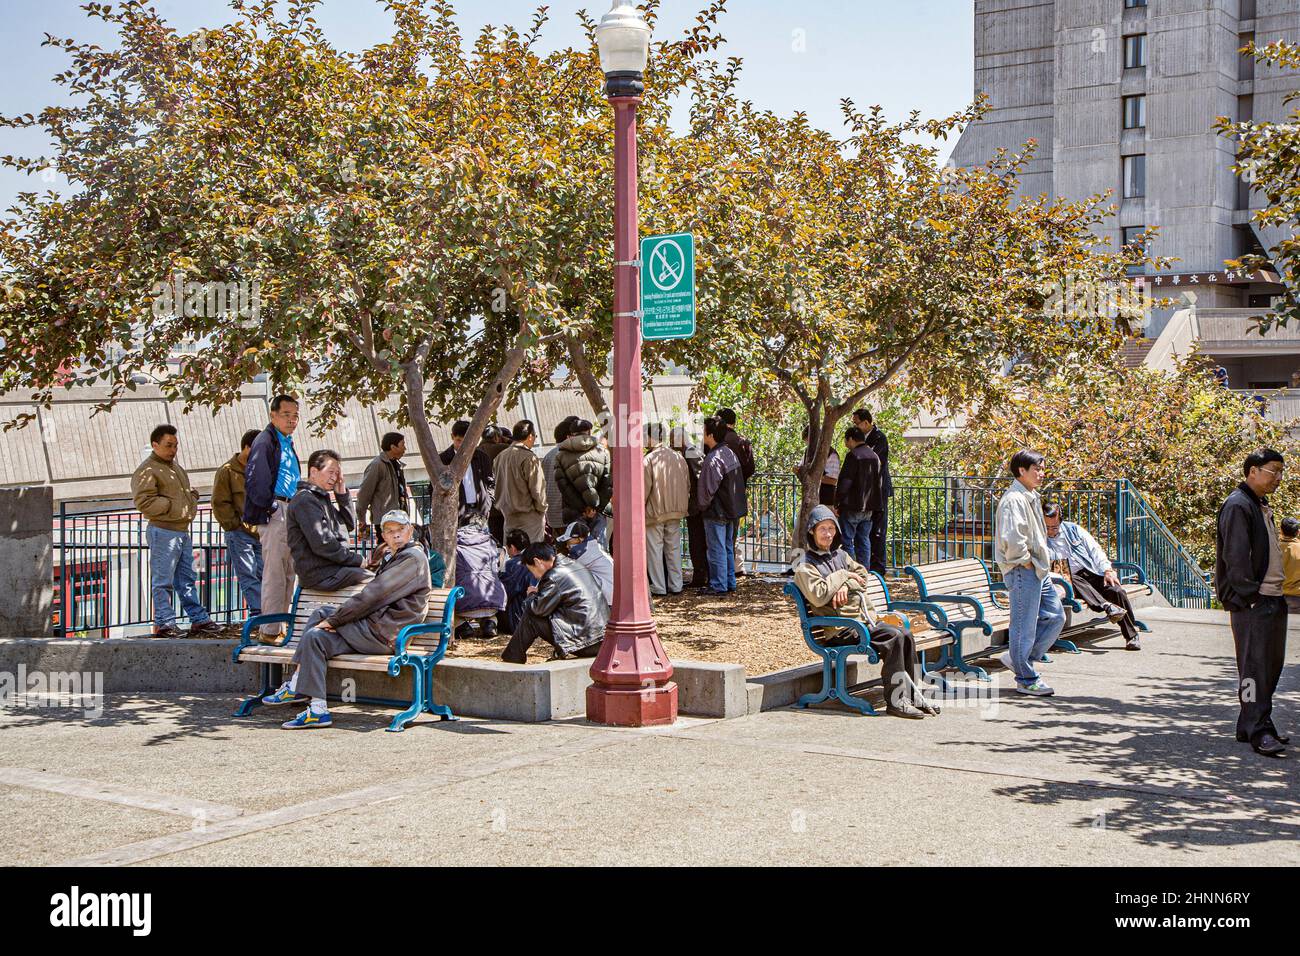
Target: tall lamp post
{"x":631,"y":676}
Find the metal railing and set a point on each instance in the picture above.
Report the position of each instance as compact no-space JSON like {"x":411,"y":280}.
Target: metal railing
{"x":103,"y":586}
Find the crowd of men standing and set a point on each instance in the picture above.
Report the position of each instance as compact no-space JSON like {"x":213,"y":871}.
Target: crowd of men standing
{"x":533,"y":533}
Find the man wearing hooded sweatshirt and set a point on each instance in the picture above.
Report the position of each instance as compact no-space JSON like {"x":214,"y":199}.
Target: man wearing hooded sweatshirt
{"x":834,"y":585}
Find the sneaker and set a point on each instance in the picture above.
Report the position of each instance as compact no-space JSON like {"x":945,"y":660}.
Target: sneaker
{"x":284,"y":696}
{"x":1135,"y":644}
{"x":1114,"y":613}
{"x":905,"y":710}
{"x":1005,"y":660}
{"x":168,"y":631}
{"x":1036,"y":689}
{"x":271,"y":640}
{"x":308,"y":721}
{"x":207,"y":629}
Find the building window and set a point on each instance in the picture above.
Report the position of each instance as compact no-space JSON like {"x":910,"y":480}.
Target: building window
{"x":1135,"y":176}
{"x":1135,"y":51}
{"x":1135,"y":112}
{"x":1130,"y":238}
{"x":1130,"y":4}
{"x":1247,"y":9}
{"x":1246,"y":65}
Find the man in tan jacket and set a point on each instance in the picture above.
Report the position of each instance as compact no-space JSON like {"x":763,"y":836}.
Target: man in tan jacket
{"x":243,"y":546}
{"x":667,"y":499}
{"x":521,"y":484}
{"x":161,"y":490}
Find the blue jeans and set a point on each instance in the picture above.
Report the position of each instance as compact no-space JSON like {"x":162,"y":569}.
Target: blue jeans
{"x":245,"y":554}
{"x":856,"y":527}
{"x":1036,"y":619}
{"x":721,"y":539}
{"x":171,"y":571}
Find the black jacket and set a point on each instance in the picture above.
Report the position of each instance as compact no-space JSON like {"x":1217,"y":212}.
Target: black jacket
{"x":260,"y":474}
{"x":858,"y":489}
{"x":879,"y":444}
{"x":480,"y":466}
{"x":739,"y":444}
{"x":569,"y":596}
{"x":1241,"y":552}
{"x":318,"y":535}
{"x":721,"y":488}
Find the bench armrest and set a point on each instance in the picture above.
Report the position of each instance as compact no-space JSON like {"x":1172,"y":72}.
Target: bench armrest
{"x":411,"y":630}
{"x":958,"y":599}
{"x":1068,"y":588}
{"x":1136,"y":569}
{"x":245,"y":635}
{"x":997,"y":590}
{"x":933,"y":613}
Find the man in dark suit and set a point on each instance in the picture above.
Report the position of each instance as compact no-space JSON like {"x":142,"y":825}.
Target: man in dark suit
{"x":478,"y":487}
{"x":878,"y":443}
{"x":1248,"y":578}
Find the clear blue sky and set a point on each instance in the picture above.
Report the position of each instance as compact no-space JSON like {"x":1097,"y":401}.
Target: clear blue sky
{"x":917,"y":54}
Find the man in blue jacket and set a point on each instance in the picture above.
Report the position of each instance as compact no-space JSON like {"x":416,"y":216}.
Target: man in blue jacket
{"x":271,"y":479}
{"x":1248,"y":578}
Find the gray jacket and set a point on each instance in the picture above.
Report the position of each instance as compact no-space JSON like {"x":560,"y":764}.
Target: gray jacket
{"x":397,"y":596}
{"x":382,"y":490}
{"x":1021,"y":532}
{"x":318,"y":534}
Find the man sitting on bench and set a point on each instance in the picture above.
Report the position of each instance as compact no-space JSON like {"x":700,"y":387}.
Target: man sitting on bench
{"x":567,"y":608}
{"x":367,"y":623}
{"x":834,"y":585}
{"x":1089,"y":570}
{"x":319,"y":530}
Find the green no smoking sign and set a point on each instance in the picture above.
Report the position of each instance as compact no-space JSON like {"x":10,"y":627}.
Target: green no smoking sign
{"x":668,"y":287}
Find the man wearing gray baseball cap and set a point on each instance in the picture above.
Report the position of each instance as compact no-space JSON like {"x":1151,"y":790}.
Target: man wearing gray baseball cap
{"x":367,"y":623}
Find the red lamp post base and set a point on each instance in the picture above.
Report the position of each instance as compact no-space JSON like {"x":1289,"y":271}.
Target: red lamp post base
{"x":631,"y":679}
{"x":632,"y":707}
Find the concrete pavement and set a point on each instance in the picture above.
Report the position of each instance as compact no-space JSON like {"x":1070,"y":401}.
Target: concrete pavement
{"x":1132,"y":763}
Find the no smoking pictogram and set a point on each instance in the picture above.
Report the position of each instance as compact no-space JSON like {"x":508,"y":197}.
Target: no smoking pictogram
{"x":668,"y":287}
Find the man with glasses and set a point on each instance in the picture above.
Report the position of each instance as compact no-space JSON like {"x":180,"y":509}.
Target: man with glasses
{"x":1248,"y":578}
{"x":270,"y":480}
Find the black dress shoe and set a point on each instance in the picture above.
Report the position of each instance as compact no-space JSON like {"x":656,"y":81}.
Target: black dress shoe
{"x":1269,"y":746}
{"x":1243,"y":739}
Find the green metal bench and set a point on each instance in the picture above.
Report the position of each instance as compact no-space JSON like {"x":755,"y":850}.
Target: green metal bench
{"x":418,"y":648}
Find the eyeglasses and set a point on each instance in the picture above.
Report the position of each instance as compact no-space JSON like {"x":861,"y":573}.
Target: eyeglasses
{"x":1275,"y":472}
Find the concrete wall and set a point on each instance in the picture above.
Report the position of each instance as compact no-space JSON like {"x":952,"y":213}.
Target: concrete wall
{"x":26,"y":561}
{"x":1054,"y":70}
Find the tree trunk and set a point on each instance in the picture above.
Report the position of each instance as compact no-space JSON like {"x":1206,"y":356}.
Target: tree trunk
{"x":444,"y":480}
{"x":821,"y":437}
{"x":588,"y":379}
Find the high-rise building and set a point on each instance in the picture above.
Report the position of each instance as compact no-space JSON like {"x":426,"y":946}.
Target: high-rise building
{"x":1122,"y":95}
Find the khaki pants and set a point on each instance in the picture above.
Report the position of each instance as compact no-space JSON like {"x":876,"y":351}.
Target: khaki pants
{"x":278,"y":576}
{"x":532,"y":524}
{"x":663,"y":551}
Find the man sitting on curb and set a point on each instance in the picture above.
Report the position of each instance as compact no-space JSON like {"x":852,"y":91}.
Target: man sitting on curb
{"x":1091,"y":575}
{"x":834,"y":585}
{"x":367,"y":623}
{"x":579,"y":543}
{"x":566,"y":609}
{"x":319,"y":530}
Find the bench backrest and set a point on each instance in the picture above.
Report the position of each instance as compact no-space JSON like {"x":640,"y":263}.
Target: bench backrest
{"x":965,"y":576}
{"x":306,"y":600}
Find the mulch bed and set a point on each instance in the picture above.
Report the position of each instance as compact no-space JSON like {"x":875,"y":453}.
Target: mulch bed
{"x":756,"y":626}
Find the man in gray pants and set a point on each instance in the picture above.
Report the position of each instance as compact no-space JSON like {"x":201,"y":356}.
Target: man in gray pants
{"x":367,"y":623}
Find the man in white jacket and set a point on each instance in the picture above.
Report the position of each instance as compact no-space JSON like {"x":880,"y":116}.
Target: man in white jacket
{"x":1021,"y":551}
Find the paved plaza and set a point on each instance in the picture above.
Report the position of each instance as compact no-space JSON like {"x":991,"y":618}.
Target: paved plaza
{"x":1132,"y":763}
